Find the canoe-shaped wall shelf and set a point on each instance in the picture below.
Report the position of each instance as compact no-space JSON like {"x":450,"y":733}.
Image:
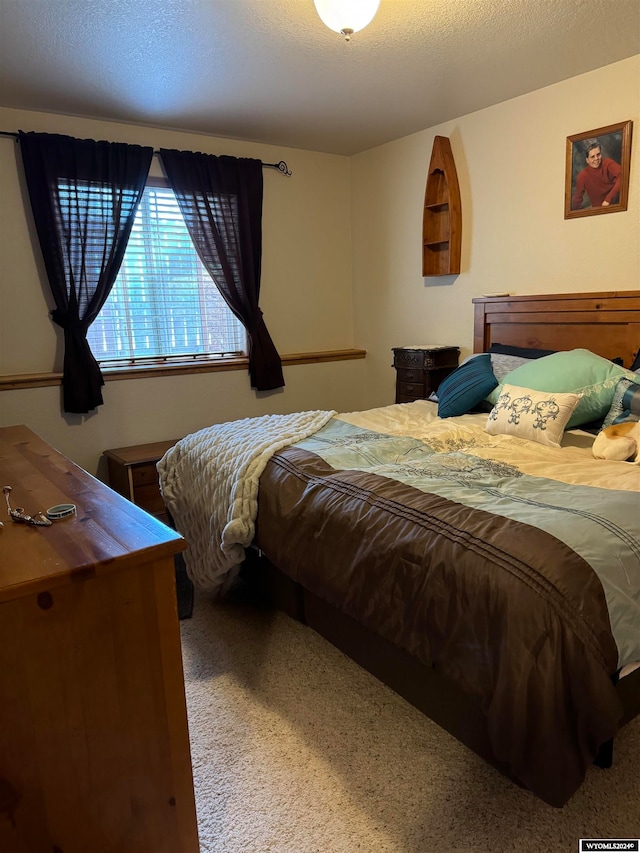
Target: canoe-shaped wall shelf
{"x":442,"y":218}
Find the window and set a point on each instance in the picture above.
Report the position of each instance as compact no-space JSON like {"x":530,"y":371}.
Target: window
{"x":163,"y":305}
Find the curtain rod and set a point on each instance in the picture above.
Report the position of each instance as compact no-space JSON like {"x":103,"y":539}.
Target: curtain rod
{"x":281,"y":166}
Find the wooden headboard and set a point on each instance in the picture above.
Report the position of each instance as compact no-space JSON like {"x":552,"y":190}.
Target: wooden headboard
{"x":606,"y":323}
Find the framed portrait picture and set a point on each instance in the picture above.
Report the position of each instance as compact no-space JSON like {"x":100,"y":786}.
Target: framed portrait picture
{"x":597,"y":171}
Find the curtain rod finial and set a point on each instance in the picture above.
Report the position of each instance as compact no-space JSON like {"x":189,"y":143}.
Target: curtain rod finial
{"x":282,"y":167}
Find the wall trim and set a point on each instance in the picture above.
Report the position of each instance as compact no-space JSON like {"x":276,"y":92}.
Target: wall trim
{"x":11,"y":382}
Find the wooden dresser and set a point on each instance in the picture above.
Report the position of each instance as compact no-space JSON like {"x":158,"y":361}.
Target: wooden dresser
{"x":94,"y":744}
{"x":419,"y":370}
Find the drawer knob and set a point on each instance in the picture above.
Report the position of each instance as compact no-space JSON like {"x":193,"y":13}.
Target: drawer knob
{"x":45,"y":600}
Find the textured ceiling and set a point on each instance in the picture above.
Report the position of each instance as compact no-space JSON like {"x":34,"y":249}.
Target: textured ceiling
{"x":270,"y":71}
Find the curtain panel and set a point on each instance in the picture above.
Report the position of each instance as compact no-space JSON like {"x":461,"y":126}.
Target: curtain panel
{"x":221,"y":201}
{"x":84,"y":196}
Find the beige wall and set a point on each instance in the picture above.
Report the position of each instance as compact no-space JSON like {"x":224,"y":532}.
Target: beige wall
{"x":510,"y":161}
{"x":306,"y":299}
{"x":342,"y":259}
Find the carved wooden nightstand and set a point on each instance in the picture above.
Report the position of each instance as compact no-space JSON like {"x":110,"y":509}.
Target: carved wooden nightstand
{"x":419,"y":370}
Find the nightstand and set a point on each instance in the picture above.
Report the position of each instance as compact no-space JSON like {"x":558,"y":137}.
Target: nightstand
{"x":132,"y":473}
{"x":419,"y":370}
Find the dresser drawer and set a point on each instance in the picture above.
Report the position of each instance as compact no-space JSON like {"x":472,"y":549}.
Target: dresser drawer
{"x":415,"y":390}
{"x":149,"y":498}
{"x":144,"y":474}
{"x":411,"y":358}
{"x":409,"y":374}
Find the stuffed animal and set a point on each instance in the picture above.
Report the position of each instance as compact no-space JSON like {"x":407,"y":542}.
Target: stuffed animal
{"x":619,"y":442}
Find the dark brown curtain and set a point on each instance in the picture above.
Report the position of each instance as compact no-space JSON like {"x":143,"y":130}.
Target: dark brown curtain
{"x":221,"y":202}
{"x":84,"y":196}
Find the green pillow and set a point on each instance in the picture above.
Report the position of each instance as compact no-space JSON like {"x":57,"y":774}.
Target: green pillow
{"x":577,"y":371}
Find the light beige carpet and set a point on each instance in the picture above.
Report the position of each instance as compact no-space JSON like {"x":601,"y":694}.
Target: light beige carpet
{"x":296,"y":749}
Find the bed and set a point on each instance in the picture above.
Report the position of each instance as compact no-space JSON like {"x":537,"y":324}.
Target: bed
{"x":490,"y":579}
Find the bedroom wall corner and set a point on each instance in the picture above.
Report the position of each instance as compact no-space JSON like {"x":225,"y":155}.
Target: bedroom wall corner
{"x":510,"y":160}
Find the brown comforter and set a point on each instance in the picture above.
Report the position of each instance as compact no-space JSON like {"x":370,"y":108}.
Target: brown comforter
{"x":507,"y":612}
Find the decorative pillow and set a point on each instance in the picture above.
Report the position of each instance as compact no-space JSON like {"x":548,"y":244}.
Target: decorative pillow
{"x":535,"y":415}
{"x":577,"y":371}
{"x":467,"y":386}
{"x":503,"y":364}
{"x":522,"y":352}
{"x":625,"y":405}
{"x":500,"y":364}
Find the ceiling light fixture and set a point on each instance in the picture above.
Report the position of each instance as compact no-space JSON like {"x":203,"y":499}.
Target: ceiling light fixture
{"x":347,"y":16}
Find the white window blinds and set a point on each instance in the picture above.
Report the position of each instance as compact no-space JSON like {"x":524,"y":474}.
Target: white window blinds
{"x":163,"y":304}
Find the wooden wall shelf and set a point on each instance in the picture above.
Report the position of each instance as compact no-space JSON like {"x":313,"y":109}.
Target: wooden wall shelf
{"x":442,"y":218}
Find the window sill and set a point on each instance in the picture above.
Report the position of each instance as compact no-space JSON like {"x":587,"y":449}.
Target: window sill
{"x":42,"y":380}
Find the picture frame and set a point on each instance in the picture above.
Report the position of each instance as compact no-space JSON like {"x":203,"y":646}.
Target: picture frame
{"x":595,"y":160}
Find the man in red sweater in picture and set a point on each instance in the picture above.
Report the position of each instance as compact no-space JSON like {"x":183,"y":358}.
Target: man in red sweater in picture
{"x":600,"y":179}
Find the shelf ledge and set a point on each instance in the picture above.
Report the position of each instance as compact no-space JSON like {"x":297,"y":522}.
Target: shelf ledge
{"x":42,"y":380}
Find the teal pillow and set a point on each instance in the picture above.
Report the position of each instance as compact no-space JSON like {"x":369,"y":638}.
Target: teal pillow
{"x":577,"y":371}
{"x":467,"y":386}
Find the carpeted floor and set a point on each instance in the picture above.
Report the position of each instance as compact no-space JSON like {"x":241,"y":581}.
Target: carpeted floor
{"x":296,"y":749}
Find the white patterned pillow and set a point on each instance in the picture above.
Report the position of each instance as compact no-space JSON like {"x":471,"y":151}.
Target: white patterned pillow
{"x":535,"y":415}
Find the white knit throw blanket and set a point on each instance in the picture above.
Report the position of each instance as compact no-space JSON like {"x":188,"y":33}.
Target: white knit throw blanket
{"x":209,"y":481}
